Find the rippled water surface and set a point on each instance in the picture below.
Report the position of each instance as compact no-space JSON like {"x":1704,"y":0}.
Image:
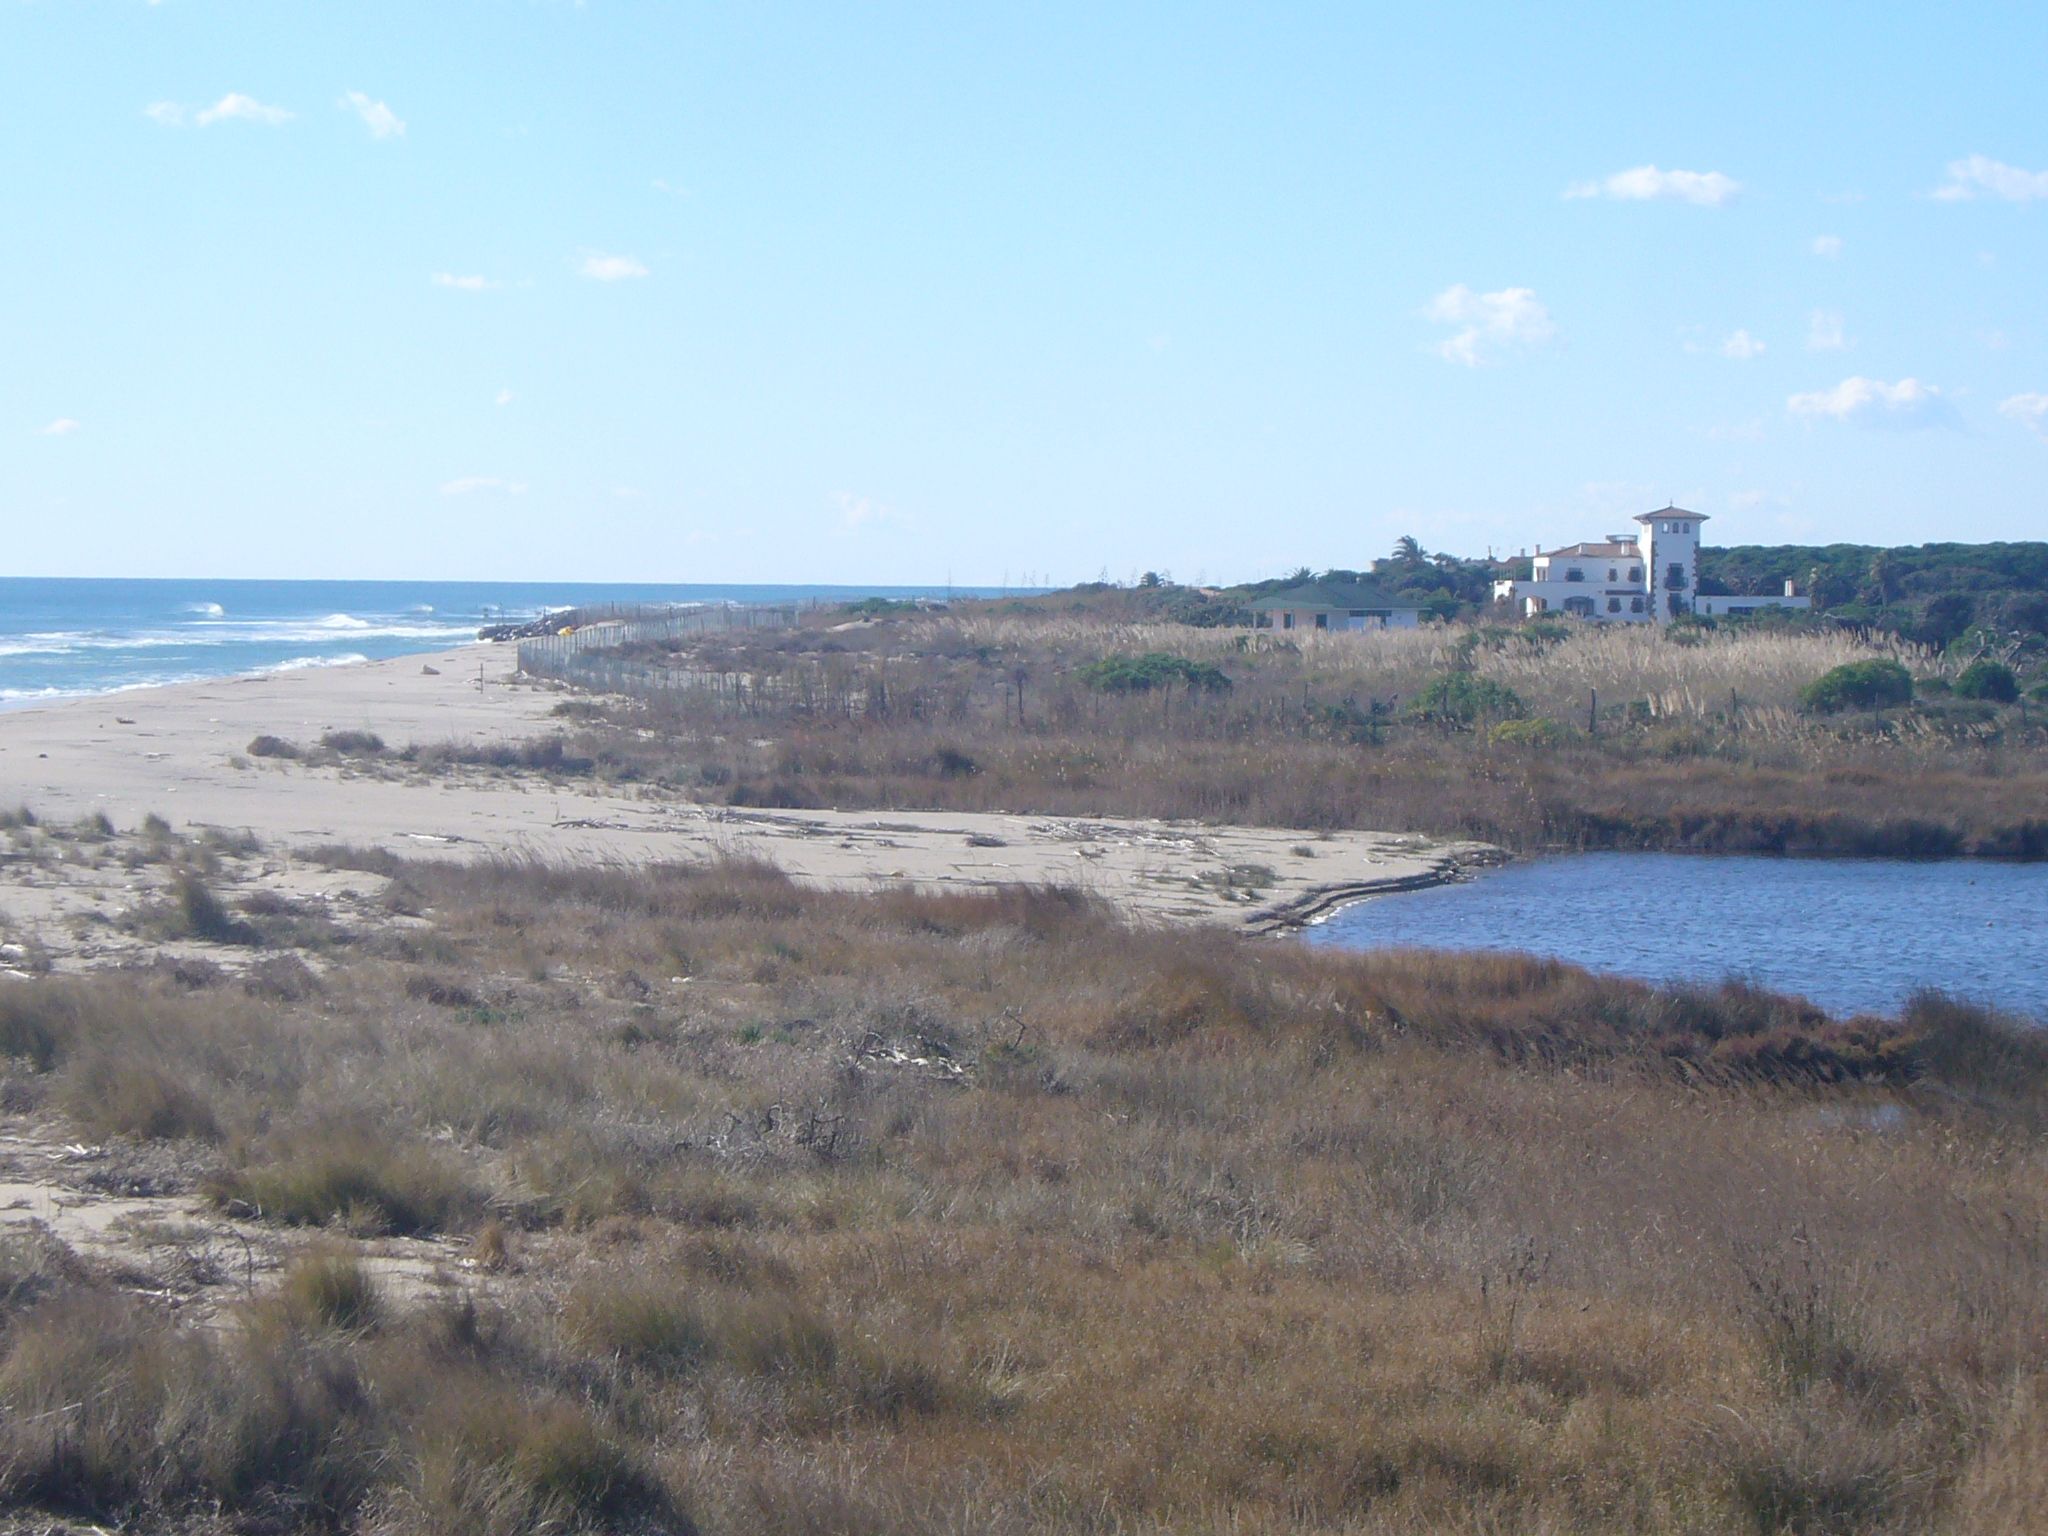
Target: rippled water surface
{"x":64,"y":638}
{"x":1851,"y":934}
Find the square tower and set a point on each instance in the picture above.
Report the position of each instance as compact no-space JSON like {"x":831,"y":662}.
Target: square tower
{"x":1670,"y":542}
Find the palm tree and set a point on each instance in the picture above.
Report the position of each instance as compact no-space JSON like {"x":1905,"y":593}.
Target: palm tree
{"x":1408,"y":550}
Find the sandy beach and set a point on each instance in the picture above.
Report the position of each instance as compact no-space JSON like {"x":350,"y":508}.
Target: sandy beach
{"x":180,"y":753}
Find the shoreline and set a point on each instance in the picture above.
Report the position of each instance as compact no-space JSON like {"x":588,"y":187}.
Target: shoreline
{"x":1325,"y":901}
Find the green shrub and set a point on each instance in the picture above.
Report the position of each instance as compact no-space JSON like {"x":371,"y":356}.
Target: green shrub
{"x":1539,"y":732}
{"x":1859,"y":685}
{"x":1154,"y":669}
{"x":1459,"y":698}
{"x":1990,"y":680}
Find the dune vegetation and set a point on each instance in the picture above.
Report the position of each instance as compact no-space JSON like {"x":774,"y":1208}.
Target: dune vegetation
{"x":1544,"y":736}
{"x":685,"y":1199}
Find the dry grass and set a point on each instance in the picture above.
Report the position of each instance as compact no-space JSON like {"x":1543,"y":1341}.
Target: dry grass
{"x":924,"y":1214}
{"x":1697,"y":740}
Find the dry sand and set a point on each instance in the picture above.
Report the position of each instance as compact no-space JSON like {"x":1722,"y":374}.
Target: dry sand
{"x":180,"y":752}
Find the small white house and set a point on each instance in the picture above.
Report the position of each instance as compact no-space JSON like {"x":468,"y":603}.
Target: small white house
{"x":1651,"y":577}
{"x":1335,"y":605}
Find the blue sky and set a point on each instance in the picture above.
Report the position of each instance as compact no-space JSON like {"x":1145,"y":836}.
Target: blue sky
{"x":906,"y":293}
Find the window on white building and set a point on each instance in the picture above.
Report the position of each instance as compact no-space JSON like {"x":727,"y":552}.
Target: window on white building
{"x":1614,"y":605}
{"x":1635,"y":605}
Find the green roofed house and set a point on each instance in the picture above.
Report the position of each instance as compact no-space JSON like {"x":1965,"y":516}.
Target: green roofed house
{"x":1335,"y":605}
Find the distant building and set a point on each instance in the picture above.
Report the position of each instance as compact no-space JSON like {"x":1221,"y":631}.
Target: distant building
{"x":1652,"y":577}
{"x":1335,"y":605}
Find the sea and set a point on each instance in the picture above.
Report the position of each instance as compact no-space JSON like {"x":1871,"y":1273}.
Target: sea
{"x":69,"y":638}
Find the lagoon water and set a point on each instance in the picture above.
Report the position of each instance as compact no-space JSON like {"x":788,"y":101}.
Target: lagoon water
{"x":67,"y":638}
{"x":1854,"y":935}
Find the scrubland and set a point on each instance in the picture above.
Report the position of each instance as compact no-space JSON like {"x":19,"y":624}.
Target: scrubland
{"x":776,"y":1210}
{"x":1539,"y":737}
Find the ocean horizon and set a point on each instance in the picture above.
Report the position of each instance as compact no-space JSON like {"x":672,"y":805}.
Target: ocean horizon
{"x":76,"y":637}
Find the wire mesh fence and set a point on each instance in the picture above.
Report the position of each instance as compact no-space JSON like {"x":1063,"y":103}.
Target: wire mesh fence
{"x":591,"y":655}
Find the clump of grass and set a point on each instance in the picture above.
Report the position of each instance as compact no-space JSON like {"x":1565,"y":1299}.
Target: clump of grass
{"x":273,"y":746}
{"x":19,"y":819}
{"x":192,"y":911}
{"x":329,"y":1288}
{"x":116,"y":1095}
{"x":93,"y":827}
{"x":639,"y":1318}
{"x":353,"y":743}
{"x":493,"y":1461}
{"x":355,"y":1177}
{"x":113,"y":1413}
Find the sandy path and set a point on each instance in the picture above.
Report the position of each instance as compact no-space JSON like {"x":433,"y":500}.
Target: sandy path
{"x":180,"y":752}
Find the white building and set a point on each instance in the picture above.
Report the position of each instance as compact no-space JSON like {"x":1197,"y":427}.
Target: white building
{"x":1335,"y":605}
{"x":1652,"y":577}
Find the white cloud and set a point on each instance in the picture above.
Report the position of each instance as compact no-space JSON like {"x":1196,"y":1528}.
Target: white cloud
{"x":1645,"y":183}
{"x":611,"y":269}
{"x":63,"y":426}
{"x":1489,"y":323}
{"x":235,"y":107}
{"x":1874,"y":403}
{"x":504,"y":397}
{"x":1742,"y":347}
{"x":1980,"y":176}
{"x":465,"y":283}
{"x":382,"y":122}
{"x":2030,"y":411}
{"x":469,"y":485}
{"x":1827,"y":247}
{"x":167,"y":113}
{"x":858,"y":512}
{"x":1824,"y":331}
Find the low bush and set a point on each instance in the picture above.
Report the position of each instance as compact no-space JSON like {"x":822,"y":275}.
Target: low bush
{"x":1539,"y":732}
{"x":1154,"y":669}
{"x":1990,"y":680}
{"x":272,"y":746}
{"x":1874,"y":684}
{"x":1461,"y":698}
